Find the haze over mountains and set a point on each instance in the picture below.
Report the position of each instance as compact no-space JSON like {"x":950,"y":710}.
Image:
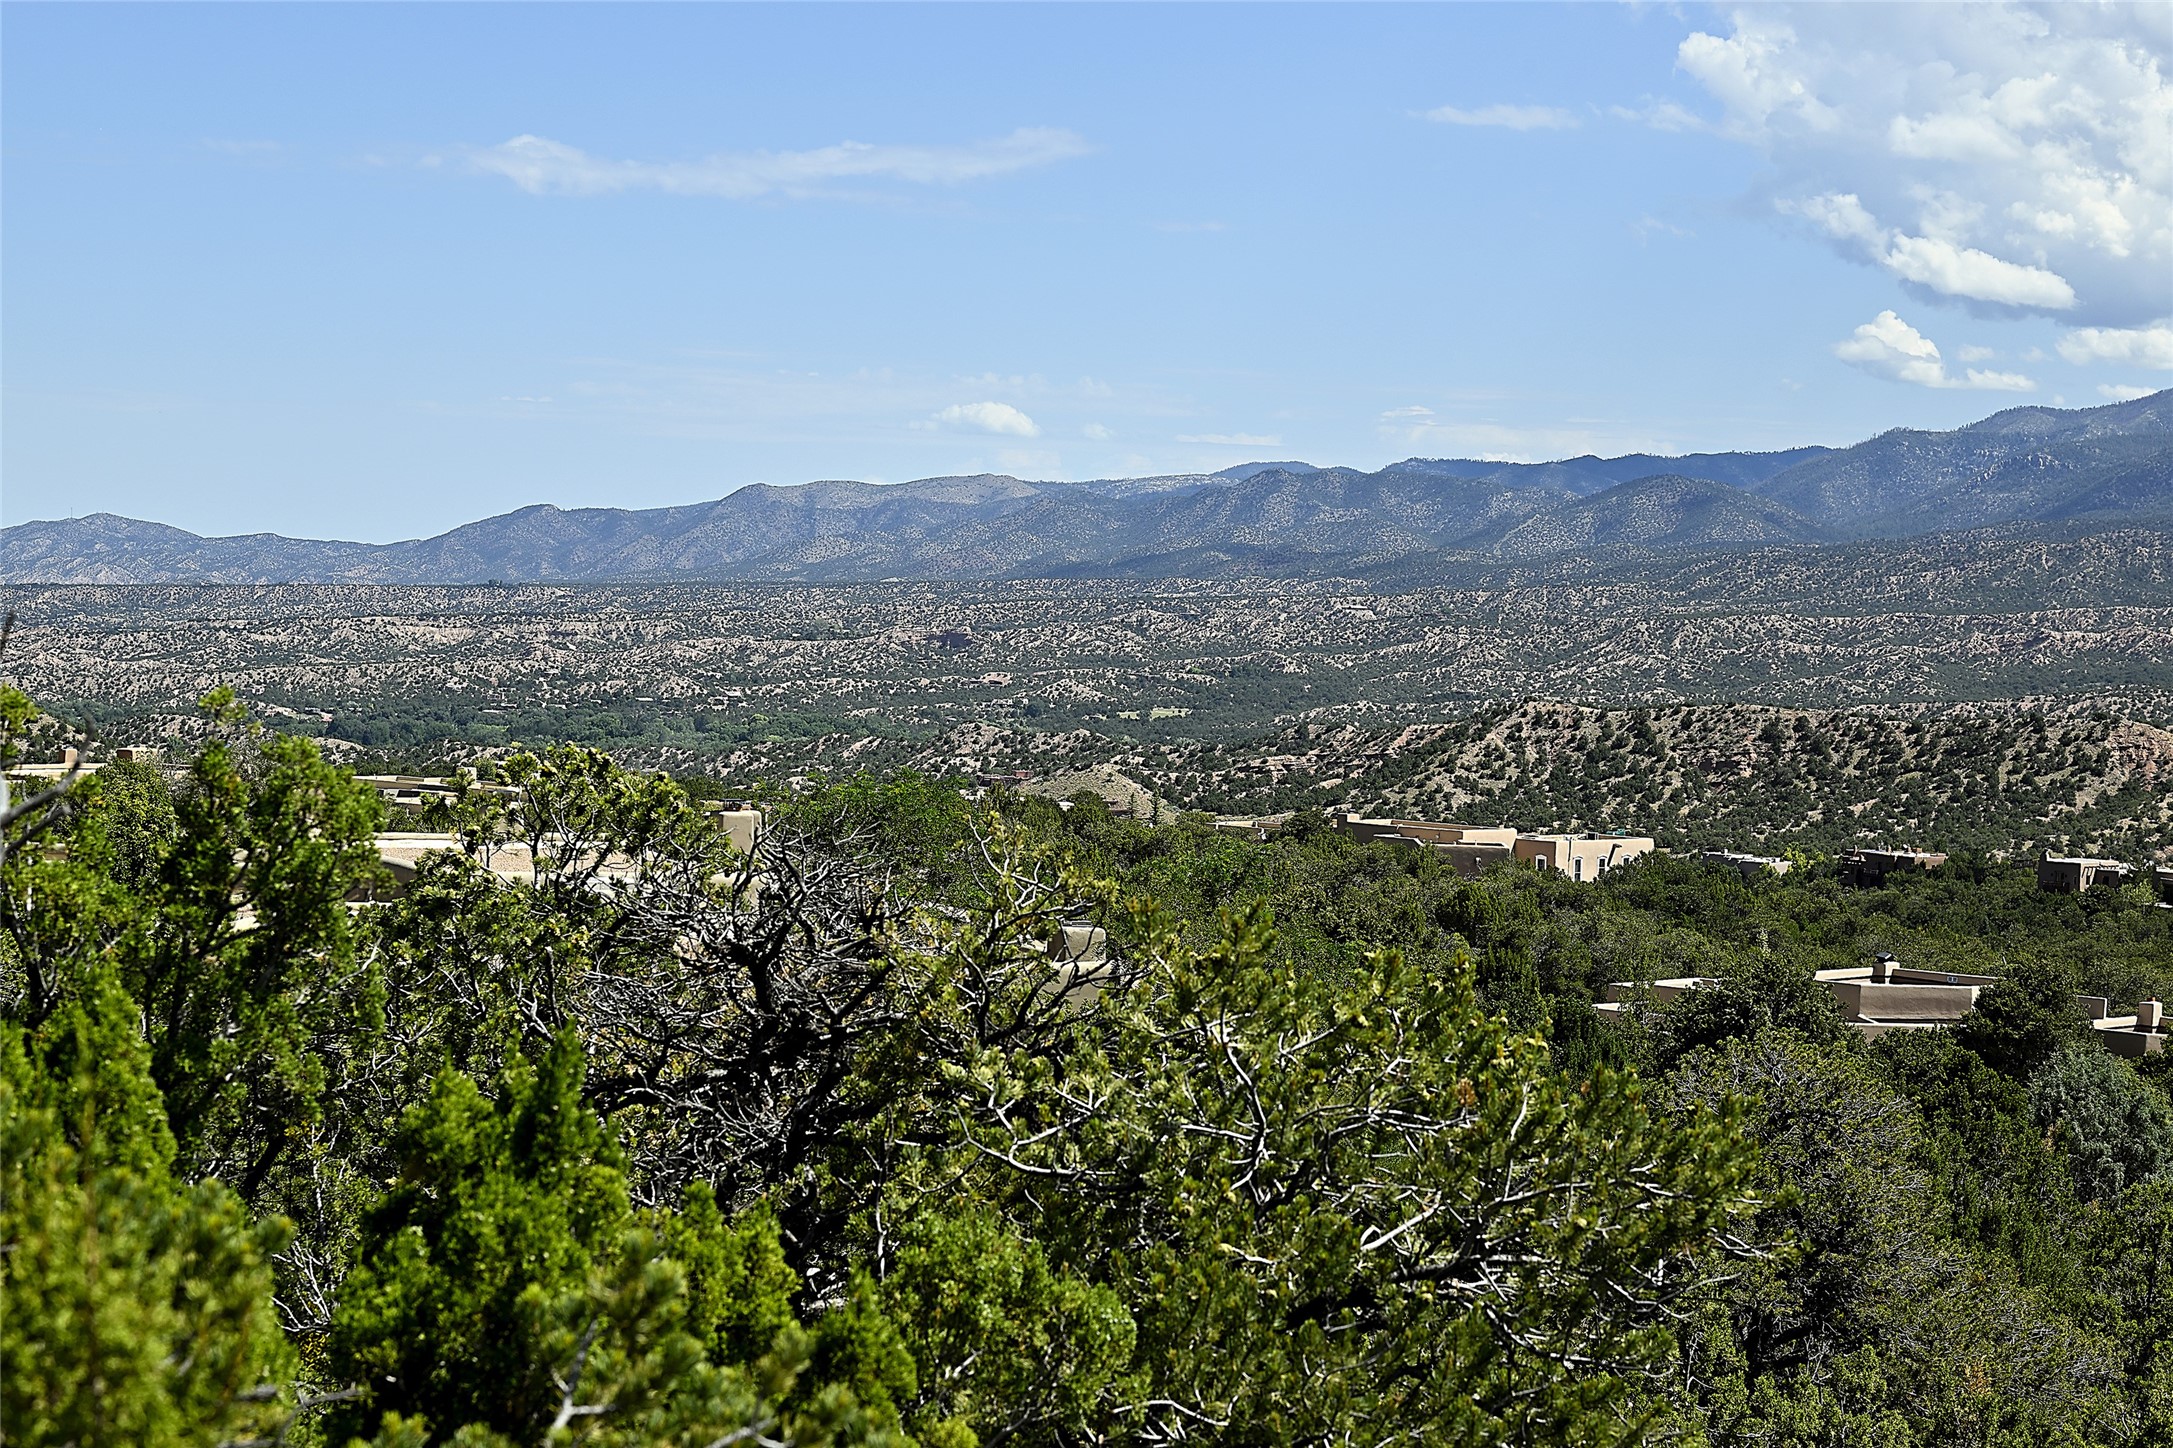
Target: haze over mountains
{"x":2026,"y":465}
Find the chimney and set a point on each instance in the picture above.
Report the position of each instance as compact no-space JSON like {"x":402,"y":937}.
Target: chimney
{"x":1882,"y":969}
{"x":2150,"y":1016}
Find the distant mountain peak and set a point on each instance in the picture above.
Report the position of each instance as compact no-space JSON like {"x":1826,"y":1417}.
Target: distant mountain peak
{"x":2026,"y":465}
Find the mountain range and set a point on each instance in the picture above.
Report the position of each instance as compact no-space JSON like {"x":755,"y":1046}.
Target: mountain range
{"x":2025,"y":465}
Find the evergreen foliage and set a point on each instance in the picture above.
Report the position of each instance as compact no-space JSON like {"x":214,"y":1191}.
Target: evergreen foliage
{"x":667,"y":1142}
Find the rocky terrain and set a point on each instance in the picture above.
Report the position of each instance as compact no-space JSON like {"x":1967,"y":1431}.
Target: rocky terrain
{"x":2024,"y":681}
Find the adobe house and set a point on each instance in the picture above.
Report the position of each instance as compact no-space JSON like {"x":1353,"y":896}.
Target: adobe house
{"x":2142,"y":1034}
{"x":1467,"y":848}
{"x":1874,"y":999}
{"x":1868,"y":869}
{"x":1581,"y":857}
{"x":2073,"y":874}
{"x":1889,"y":996}
{"x":1081,"y":968}
{"x":401,"y":852}
{"x":1422,"y":832}
{"x":1750,"y":867}
{"x":1615,"y":998}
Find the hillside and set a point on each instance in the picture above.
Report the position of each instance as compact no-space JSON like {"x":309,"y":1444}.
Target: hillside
{"x":1658,"y":512}
{"x":2025,"y":464}
{"x":2006,"y":778}
{"x":2103,"y":466}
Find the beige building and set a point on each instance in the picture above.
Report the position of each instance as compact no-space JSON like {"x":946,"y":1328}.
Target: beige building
{"x":2142,"y":1034}
{"x":1616,"y":998}
{"x":2073,"y":874}
{"x":1869,"y":868}
{"x":1888,"y":996}
{"x":1423,"y":832}
{"x":1467,"y":849}
{"x":1580,"y":857}
{"x":412,"y":791}
{"x":1080,"y":955}
{"x":1471,"y":848}
{"x":1750,"y":867}
{"x":740,"y":824}
{"x":401,"y":853}
{"x":1874,"y":999}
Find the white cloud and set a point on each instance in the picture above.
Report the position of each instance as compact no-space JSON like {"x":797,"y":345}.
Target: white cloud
{"x":1996,"y":381}
{"x":1754,"y":76}
{"x":996,"y":417}
{"x":2150,"y":346}
{"x":2007,"y":156}
{"x":1968,"y":352}
{"x":1230,"y":439}
{"x":1892,"y":348}
{"x":1964,"y":271}
{"x":1842,"y":216}
{"x":543,"y":167}
{"x":1470,"y":425}
{"x":1097,"y":432}
{"x":2121,"y":392}
{"x":1514,"y":118}
{"x":1929,"y":261}
{"x":1886,"y":346}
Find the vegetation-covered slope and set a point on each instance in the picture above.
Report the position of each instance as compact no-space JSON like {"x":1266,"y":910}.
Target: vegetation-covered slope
{"x":651,"y":1155}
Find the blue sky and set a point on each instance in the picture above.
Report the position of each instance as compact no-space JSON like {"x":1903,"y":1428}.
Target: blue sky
{"x":371,"y":271}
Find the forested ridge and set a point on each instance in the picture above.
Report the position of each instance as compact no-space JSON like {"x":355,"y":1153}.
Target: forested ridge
{"x":668,"y":1143}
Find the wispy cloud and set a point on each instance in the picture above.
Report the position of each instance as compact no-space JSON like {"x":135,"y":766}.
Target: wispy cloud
{"x":1430,"y":434}
{"x":1648,"y":226}
{"x":997,"y":417}
{"x":1661,"y":115}
{"x":2122,"y":392}
{"x":1513,"y":118}
{"x":2150,"y":346}
{"x":544,"y":167}
{"x":1230,"y":439}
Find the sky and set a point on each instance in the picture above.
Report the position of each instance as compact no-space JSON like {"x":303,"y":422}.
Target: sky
{"x":371,"y":271}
